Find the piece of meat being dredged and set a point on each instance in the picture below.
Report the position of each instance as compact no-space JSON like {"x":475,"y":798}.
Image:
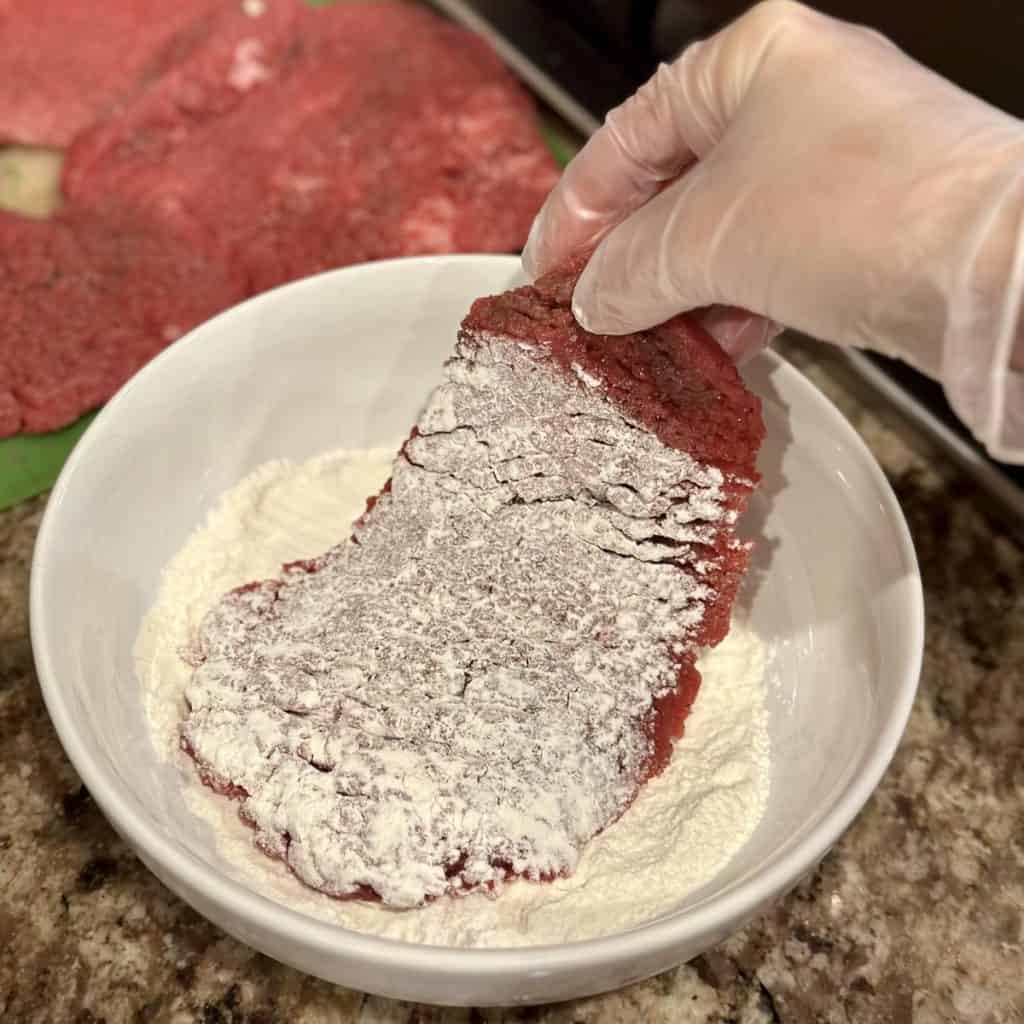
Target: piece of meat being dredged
{"x":479,"y":680}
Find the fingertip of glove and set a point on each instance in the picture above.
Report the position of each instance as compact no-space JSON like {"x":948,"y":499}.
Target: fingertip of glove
{"x":740,"y":333}
{"x":580,"y":315}
{"x":597,"y":306}
{"x":582,"y":306}
{"x":529,"y":254}
{"x":598,"y":321}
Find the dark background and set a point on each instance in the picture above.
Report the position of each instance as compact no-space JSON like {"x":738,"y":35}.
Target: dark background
{"x":977,"y":43}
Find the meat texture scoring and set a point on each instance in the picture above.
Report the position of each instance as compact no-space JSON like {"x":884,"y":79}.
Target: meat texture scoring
{"x":479,"y":679}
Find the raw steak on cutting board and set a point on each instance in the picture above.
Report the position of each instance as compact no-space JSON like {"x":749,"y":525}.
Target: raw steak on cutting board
{"x":65,"y":62}
{"x":236,"y":56}
{"x":363,"y":131}
{"x":258,"y":148}
{"x":88,"y":298}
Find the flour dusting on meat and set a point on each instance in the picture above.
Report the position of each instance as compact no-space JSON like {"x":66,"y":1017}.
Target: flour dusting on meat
{"x":464,"y":691}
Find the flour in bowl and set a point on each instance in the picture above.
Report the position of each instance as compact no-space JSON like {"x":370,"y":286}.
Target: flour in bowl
{"x":682,"y":829}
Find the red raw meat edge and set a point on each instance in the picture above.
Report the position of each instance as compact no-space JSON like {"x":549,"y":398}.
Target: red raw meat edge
{"x":653,"y":376}
{"x":676,"y":380}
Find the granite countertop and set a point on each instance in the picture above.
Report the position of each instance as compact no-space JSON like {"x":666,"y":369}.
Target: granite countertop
{"x":917,"y":915}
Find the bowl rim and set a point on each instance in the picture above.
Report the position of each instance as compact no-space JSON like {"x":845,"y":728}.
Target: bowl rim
{"x":332,"y":940}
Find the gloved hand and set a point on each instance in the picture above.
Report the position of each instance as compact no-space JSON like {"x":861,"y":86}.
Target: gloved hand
{"x":806,"y":170}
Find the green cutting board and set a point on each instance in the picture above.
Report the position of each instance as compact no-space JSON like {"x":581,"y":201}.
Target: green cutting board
{"x":31,"y":463}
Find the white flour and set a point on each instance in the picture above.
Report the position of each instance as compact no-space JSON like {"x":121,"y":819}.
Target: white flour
{"x":681,"y":830}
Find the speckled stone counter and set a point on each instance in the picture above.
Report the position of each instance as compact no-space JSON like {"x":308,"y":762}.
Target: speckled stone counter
{"x":917,"y":915}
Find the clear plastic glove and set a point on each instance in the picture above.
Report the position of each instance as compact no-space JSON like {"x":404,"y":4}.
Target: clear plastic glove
{"x":806,"y":170}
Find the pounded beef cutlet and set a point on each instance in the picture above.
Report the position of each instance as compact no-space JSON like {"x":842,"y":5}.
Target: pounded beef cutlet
{"x":479,"y":680}
{"x":262,"y":148}
{"x":387,"y":132}
{"x":65,"y":62}
{"x":88,"y":298}
{"x":236,"y":54}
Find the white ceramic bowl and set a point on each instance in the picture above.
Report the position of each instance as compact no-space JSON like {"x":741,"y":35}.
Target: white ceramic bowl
{"x":345,"y":359}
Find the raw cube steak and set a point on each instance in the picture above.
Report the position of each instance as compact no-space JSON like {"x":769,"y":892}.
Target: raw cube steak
{"x":479,"y":680}
{"x":314,"y":138}
{"x":88,"y":297}
{"x":274,"y":138}
{"x":65,"y":62}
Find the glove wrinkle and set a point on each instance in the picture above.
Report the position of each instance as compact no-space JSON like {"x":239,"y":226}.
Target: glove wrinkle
{"x":808,"y":172}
